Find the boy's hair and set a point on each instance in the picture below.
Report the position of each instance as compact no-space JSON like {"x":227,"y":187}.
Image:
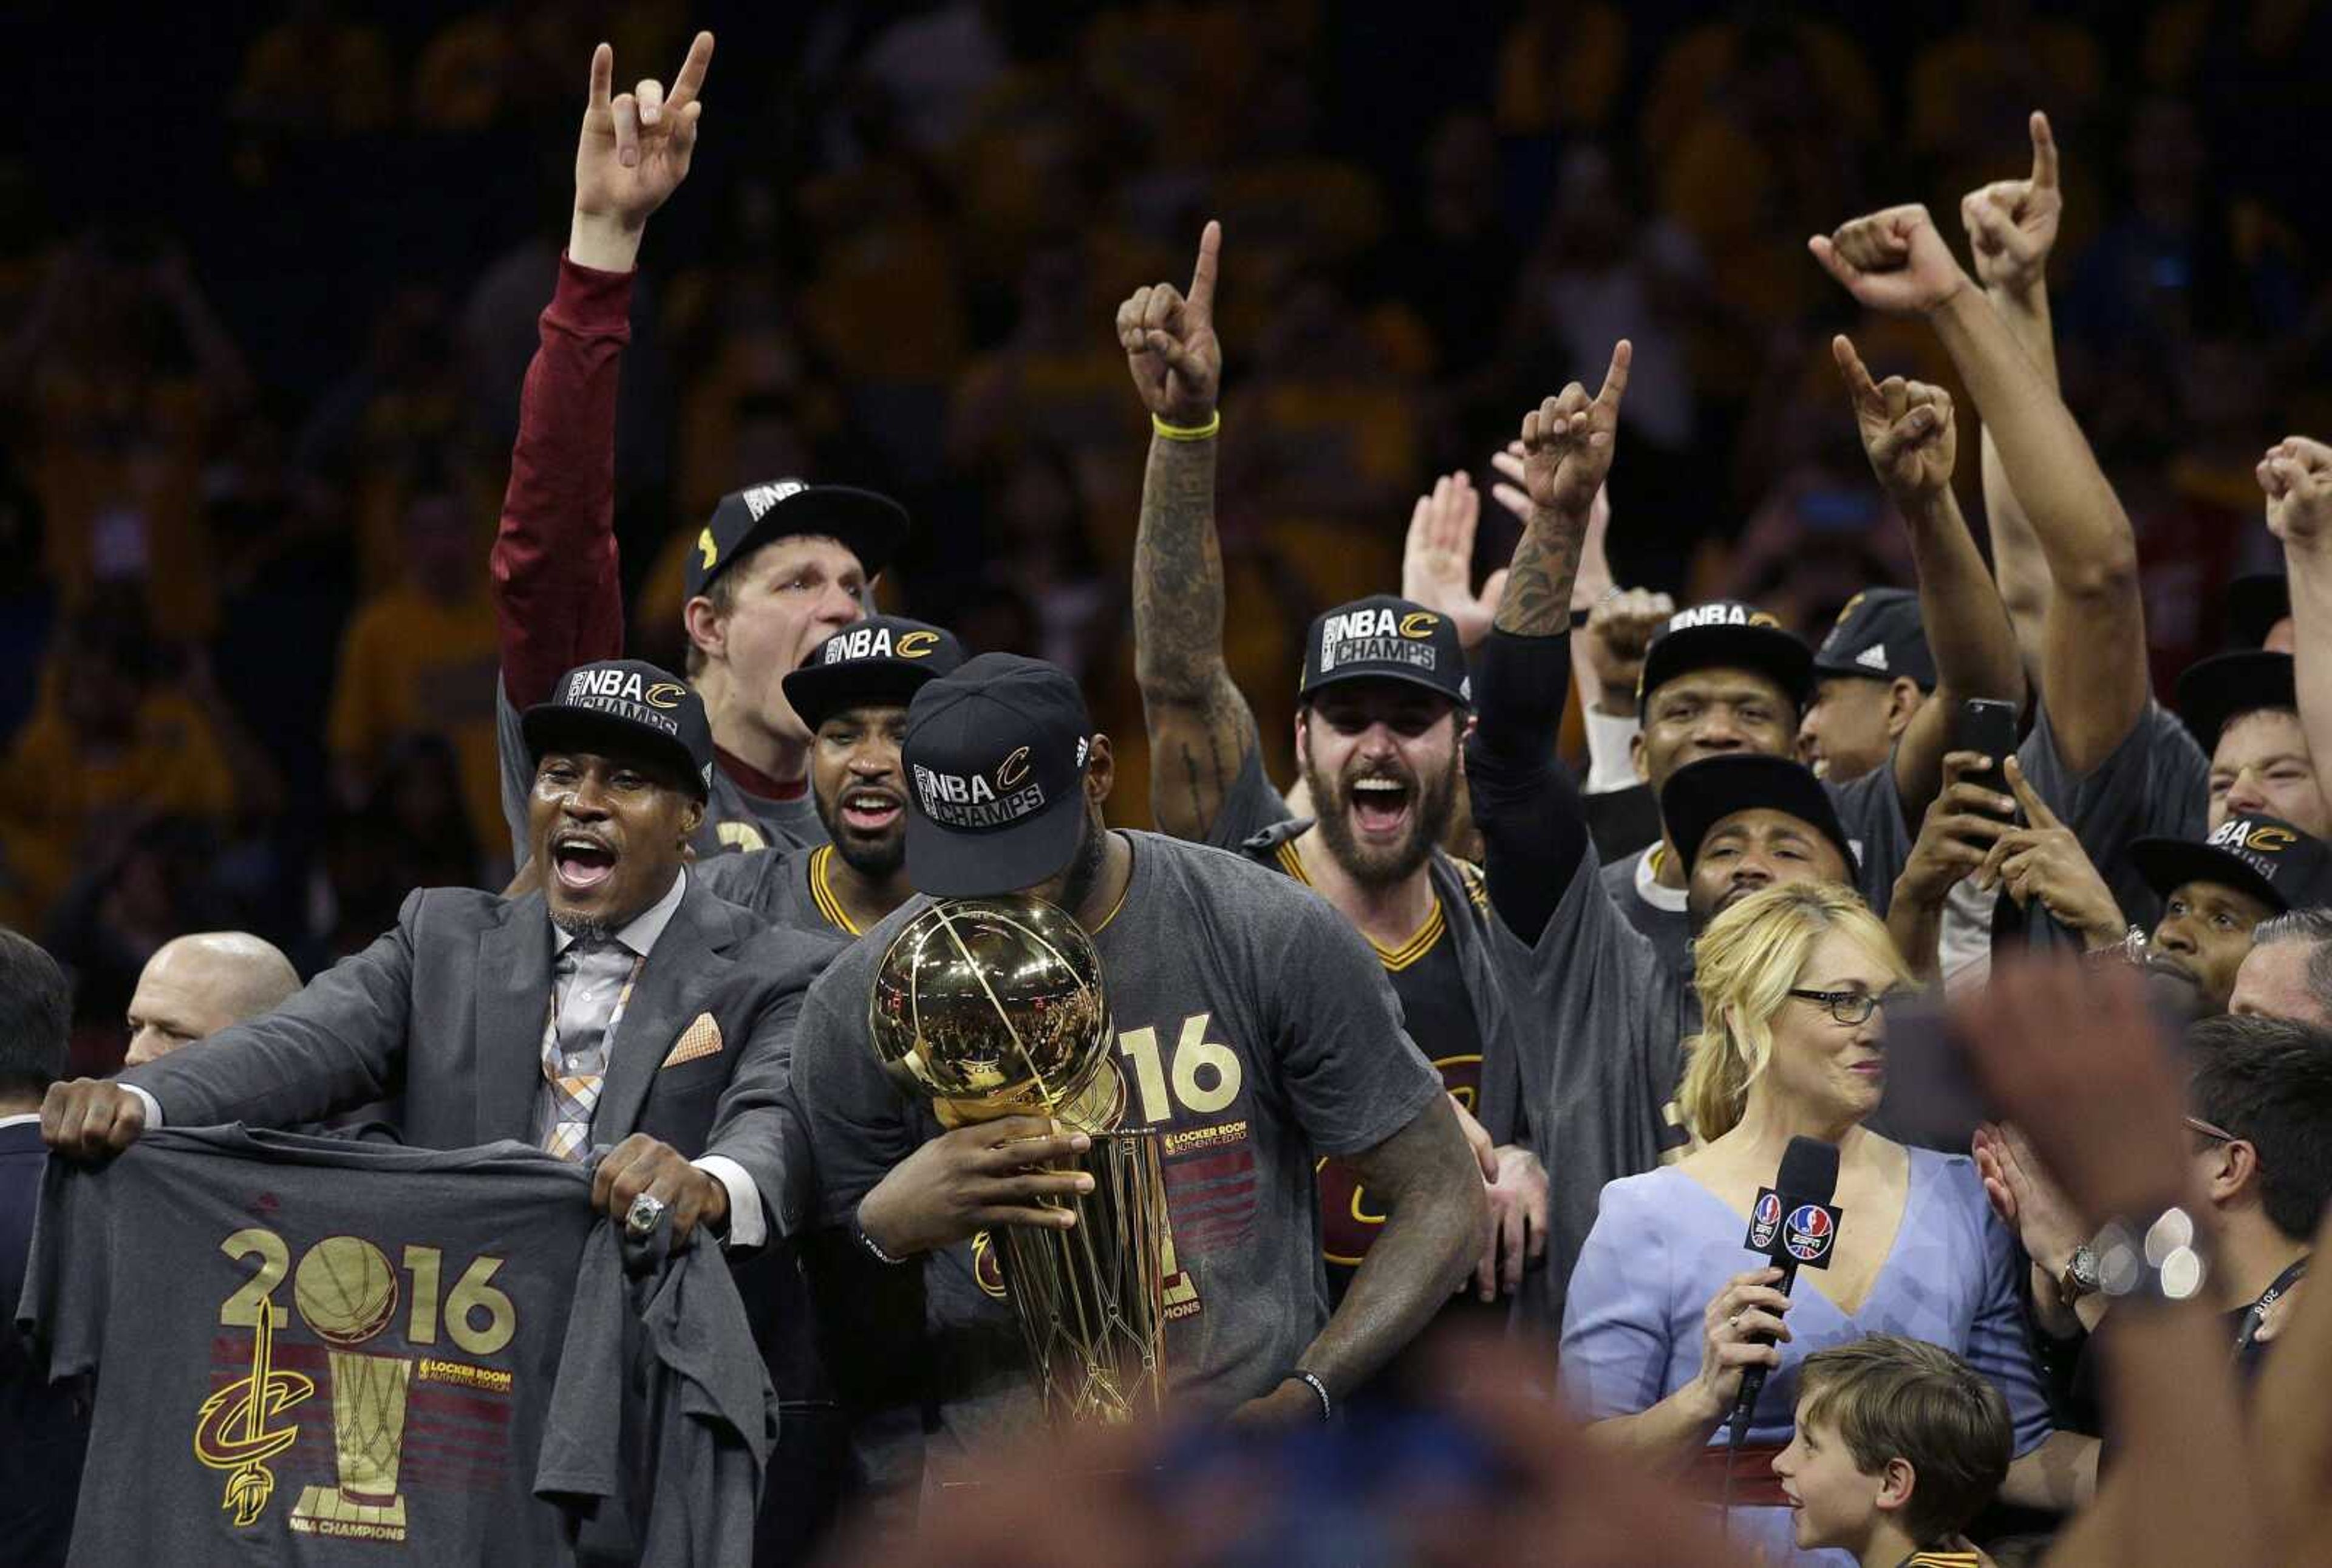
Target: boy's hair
{"x":1890,"y":1398}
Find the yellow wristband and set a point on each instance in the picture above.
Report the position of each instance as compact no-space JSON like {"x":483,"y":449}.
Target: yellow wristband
{"x":1206,"y":431}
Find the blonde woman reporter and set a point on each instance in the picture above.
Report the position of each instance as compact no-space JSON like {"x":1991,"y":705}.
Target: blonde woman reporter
{"x":1667,"y":1308}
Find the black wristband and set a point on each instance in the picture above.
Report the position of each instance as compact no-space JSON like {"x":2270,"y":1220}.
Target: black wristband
{"x":1319,"y":1390}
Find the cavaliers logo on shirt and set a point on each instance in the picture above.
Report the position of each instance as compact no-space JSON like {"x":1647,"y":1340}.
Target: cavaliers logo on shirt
{"x":385,"y":1432}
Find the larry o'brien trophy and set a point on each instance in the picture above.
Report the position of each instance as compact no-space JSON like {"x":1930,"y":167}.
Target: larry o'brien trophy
{"x":993,"y":1008}
{"x":346,"y":1291}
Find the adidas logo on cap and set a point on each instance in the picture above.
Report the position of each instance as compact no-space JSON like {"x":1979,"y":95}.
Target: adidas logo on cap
{"x":1873,"y":657}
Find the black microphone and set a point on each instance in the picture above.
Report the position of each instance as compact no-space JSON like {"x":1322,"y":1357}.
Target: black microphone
{"x":1795,"y":1224}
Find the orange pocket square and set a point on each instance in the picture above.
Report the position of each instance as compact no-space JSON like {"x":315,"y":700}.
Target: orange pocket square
{"x":700,"y":1039}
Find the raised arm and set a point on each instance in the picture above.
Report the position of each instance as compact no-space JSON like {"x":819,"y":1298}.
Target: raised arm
{"x":2296,"y":475}
{"x":1534,"y":828}
{"x":2093,"y":664}
{"x":556,"y":598}
{"x":1909,"y":435}
{"x":1201,"y":727}
{"x":2011,"y":226}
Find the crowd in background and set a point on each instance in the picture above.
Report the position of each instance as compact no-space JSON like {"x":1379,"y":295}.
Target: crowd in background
{"x":265,"y":338}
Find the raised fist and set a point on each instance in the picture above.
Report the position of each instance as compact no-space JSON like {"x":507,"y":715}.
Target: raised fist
{"x":1170,"y":342}
{"x":2012,"y":224}
{"x":1905,"y":425}
{"x":636,"y":147}
{"x":1893,"y":260}
{"x":1619,"y":634}
{"x":1567,"y":440}
{"x":2297,"y":476}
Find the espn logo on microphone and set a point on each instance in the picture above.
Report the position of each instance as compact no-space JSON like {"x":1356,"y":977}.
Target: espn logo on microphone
{"x":1792,"y":1232}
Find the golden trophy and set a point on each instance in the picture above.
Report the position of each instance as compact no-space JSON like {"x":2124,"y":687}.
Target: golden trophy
{"x":993,"y":1008}
{"x":347,"y":1292}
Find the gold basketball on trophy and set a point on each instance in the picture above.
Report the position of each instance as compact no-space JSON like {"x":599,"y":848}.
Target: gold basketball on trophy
{"x":992,"y":1006}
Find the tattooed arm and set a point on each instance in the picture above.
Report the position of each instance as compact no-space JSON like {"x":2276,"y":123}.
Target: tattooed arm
{"x":1200,"y":728}
{"x":1534,"y":828}
{"x":1566,"y":452}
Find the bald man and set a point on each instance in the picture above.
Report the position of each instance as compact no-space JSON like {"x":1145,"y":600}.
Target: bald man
{"x":197,"y":985}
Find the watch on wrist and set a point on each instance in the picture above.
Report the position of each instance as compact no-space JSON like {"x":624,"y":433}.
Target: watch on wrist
{"x":2079,"y":1278}
{"x":2151,"y":1258}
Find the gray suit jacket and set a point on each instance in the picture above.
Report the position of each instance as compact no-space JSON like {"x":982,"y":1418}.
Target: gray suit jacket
{"x":444,"y":1014}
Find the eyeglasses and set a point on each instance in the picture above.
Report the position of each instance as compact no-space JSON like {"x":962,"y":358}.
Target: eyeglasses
{"x":2211,"y":1130}
{"x":1847,"y":1006}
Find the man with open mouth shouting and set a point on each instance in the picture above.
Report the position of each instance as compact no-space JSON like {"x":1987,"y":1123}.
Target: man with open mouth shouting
{"x":621,"y":1009}
{"x":1383,"y":709}
{"x":852,"y":694}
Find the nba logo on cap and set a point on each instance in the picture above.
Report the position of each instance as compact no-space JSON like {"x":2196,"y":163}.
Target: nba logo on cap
{"x":1765,"y":1222}
{"x":1810,"y":1232}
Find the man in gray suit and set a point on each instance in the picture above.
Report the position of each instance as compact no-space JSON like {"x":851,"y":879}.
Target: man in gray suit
{"x":622,"y":1004}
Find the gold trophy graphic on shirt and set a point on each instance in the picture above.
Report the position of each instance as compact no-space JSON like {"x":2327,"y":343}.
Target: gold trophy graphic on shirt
{"x":347,"y":1292}
{"x":993,"y":1007}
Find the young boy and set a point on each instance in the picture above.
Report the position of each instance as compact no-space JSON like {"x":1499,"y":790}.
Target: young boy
{"x":1899,"y":1444}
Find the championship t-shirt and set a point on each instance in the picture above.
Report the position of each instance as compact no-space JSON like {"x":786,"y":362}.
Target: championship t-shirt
{"x":734,"y":818}
{"x":1253,"y":1029}
{"x":1869,"y":808}
{"x":792,"y":888}
{"x":309,"y":1350}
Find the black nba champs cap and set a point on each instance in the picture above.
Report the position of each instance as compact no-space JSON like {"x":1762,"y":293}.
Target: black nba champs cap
{"x":1385,"y":638}
{"x":1879,"y":634}
{"x":625,"y":708}
{"x":872,"y":525}
{"x":883,"y":660}
{"x":1700,"y":794}
{"x":2264,"y":856}
{"x":996,"y":758}
{"x":1725,"y":634}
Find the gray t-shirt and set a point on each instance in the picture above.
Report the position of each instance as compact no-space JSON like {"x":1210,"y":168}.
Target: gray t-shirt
{"x":1255,"y":1029}
{"x":735,"y":819}
{"x":786,"y":888}
{"x":447,"y":1364}
{"x":2156,"y":783}
{"x":1603,"y":1100}
{"x":1869,"y":808}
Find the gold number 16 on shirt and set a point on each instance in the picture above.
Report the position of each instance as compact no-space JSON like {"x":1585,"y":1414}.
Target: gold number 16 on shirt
{"x":472,"y":1295}
{"x":1194,"y":1054}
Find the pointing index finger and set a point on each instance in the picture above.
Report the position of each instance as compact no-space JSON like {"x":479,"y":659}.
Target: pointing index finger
{"x":603,"y":77}
{"x":1615,"y":379}
{"x":2044,"y":153}
{"x":1202,"y":276}
{"x":1858,"y":384}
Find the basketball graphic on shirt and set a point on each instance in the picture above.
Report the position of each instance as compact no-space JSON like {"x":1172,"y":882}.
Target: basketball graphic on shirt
{"x":345,"y":1289}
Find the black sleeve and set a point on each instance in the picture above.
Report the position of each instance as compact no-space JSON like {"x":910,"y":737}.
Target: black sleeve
{"x":1533,"y":822}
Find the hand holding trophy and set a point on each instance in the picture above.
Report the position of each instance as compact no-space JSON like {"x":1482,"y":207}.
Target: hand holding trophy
{"x":993,"y":1008}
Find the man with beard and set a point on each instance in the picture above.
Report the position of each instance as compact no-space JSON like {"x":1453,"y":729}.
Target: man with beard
{"x":1723,"y":679}
{"x":1251,"y":1028}
{"x":853,"y":694}
{"x":620,"y":1005}
{"x":2216,"y":892}
{"x":777,"y":569}
{"x":1380,"y":712}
